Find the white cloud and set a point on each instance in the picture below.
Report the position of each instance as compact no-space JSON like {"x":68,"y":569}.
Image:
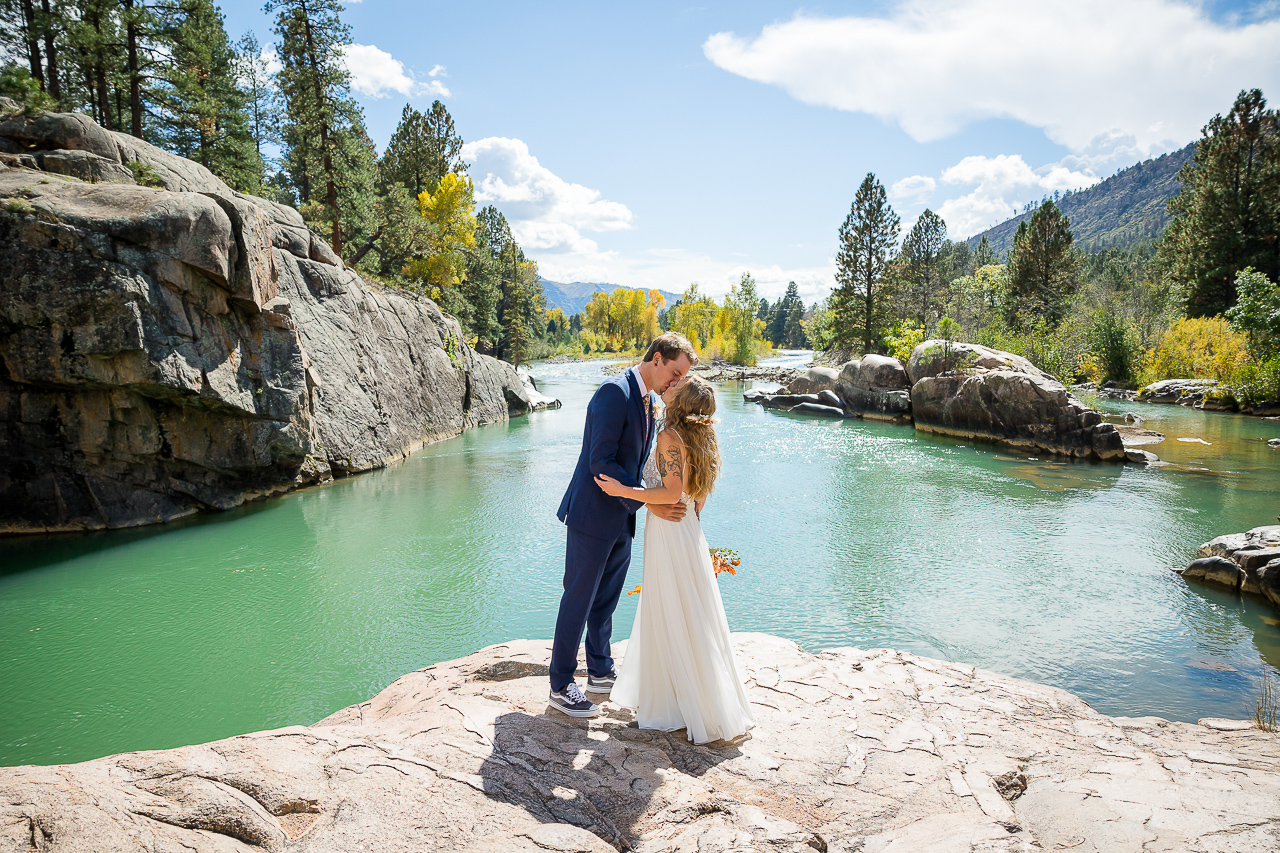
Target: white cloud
{"x":375,"y":73}
{"x":1094,"y":74}
{"x":1000,"y":185}
{"x":544,"y":210}
{"x":272,"y":59}
{"x":910,"y":187}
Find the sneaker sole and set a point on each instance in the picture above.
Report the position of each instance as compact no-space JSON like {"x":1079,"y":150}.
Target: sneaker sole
{"x":579,"y":714}
{"x":599,"y":688}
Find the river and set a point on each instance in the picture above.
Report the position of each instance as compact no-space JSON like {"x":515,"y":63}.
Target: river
{"x":851,"y":533}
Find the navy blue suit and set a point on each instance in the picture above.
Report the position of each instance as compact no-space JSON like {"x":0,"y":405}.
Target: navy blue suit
{"x":616,"y":442}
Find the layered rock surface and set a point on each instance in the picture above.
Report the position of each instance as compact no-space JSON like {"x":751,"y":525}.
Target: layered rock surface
{"x":178,"y":347}
{"x":1241,"y":562}
{"x":876,"y":387}
{"x":971,"y":391}
{"x":853,"y":751}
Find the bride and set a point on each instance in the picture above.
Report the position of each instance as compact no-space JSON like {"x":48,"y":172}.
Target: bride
{"x":679,"y":671}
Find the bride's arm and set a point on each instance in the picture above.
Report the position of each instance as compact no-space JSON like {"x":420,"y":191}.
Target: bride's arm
{"x":671,"y":468}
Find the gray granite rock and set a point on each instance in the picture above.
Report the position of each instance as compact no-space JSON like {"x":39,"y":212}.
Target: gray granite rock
{"x":168,"y":350}
{"x":1250,"y":553}
{"x":973,"y":392}
{"x":876,"y":387}
{"x":813,"y":380}
{"x":853,"y":750}
{"x":1184,"y":392}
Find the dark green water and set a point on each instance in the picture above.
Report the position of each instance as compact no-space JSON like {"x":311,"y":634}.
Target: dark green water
{"x":851,"y":533}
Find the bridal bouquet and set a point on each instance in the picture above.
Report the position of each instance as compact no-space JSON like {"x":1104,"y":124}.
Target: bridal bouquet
{"x":722,"y":560}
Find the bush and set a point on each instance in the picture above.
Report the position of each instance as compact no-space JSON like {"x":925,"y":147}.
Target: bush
{"x":1256,"y":382}
{"x":591,"y":341}
{"x":902,"y":339}
{"x":1115,"y":348}
{"x":1257,"y":313}
{"x":1057,"y":352}
{"x":1196,"y":348}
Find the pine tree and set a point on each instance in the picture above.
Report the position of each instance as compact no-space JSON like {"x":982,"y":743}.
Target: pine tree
{"x":1043,"y":269}
{"x":328,"y":154}
{"x":1227,"y":215}
{"x":262,"y":98}
{"x":867,"y":240}
{"x":983,"y":255}
{"x":423,"y":150}
{"x":202,"y":111}
{"x":922,"y":282}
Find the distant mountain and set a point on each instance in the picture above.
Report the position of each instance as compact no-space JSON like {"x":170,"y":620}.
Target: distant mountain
{"x":1126,"y":208}
{"x":572,"y":297}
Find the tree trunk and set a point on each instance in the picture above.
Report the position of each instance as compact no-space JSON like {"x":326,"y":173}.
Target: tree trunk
{"x":331,"y":187}
{"x":50,"y":53}
{"x":135,"y":78}
{"x":364,"y":250}
{"x":33,"y":43}
{"x":100,"y":77}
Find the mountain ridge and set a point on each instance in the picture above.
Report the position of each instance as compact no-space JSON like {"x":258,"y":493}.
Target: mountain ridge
{"x":1125,"y":209}
{"x":571,"y":297}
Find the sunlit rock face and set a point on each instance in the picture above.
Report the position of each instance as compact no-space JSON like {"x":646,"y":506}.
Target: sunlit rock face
{"x":853,"y":750}
{"x":970,"y":391}
{"x":180,"y":346}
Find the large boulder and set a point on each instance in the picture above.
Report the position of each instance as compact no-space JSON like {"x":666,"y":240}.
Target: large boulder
{"x":180,"y":346}
{"x":973,"y":392}
{"x":813,"y":380}
{"x":1251,"y":553}
{"x":877,"y":387}
{"x":1184,"y":392}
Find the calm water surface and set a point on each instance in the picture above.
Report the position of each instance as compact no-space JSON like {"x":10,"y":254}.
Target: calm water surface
{"x":852,"y":534}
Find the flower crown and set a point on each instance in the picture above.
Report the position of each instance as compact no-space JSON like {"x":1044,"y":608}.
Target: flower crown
{"x":705,"y":420}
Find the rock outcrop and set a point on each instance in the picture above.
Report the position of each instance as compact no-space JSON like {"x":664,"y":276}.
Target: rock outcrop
{"x":974,"y":392}
{"x":180,"y":346}
{"x":813,"y":380}
{"x":853,"y":751}
{"x":1241,"y":562}
{"x":876,"y":387}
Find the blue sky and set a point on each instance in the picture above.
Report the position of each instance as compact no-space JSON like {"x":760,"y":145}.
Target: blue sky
{"x":660,"y":143}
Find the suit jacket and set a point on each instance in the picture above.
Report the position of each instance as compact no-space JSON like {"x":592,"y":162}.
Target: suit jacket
{"x":616,"y":442}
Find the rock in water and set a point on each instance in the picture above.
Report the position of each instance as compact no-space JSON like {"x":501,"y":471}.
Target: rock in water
{"x":184,"y":347}
{"x":871,"y":750}
{"x":813,"y":380}
{"x":877,"y":387}
{"x":974,"y":392}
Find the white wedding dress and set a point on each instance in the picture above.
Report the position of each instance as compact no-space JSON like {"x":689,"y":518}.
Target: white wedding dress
{"x":679,"y":670}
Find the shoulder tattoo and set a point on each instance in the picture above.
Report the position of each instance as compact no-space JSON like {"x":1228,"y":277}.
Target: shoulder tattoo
{"x":675,"y":462}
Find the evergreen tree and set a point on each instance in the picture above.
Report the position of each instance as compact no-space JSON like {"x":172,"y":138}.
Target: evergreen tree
{"x":1227,"y":215}
{"x":262,"y":98}
{"x":983,"y":255}
{"x":423,"y":150}
{"x":867,"y":240}
{"x":922,"y":283}
{"x":202,"y":111}
{"x":1043,"y":269}
{"x":783,"y":329}
{"x":328,"y":154}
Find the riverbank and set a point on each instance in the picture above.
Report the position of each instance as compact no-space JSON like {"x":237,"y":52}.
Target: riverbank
{"x":853,"y":750}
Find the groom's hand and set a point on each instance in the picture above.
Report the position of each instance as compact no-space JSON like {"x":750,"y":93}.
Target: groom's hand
{"x":670,"y":512}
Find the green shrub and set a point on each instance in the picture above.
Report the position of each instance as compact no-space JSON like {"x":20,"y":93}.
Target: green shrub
{"x":903,"y":338}
{"x":144,"y":175}
{"x":1256,"y":382}
{"x":1257,"y":312}
{"x":1115,"y":346}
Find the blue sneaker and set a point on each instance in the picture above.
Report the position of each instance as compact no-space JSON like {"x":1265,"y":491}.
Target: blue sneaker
{"x":602,"y":683}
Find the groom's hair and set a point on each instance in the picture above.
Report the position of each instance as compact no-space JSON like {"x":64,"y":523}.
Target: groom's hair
{"x":669,"y":345}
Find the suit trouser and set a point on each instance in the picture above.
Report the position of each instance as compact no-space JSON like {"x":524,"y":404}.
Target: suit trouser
{"x":595,"y":570}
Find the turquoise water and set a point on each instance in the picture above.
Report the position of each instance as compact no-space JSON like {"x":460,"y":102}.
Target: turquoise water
{"x":852,"y":533}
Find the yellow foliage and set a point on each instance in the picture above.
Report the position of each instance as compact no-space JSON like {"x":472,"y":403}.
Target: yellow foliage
{"x":1196,"y":348}
{"x":625,"y":318}
{"x":451,"y":212}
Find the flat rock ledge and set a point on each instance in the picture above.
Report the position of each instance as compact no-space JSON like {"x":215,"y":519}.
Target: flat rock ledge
{"x":854,"y":750}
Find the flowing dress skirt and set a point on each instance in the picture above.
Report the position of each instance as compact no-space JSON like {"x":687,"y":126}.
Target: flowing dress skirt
{"x":679,"y":670}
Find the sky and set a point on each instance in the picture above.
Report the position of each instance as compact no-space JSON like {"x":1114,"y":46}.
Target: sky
{"x":656,"y":144}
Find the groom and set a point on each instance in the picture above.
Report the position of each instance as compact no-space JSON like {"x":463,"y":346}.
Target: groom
{"x":616,"y":441}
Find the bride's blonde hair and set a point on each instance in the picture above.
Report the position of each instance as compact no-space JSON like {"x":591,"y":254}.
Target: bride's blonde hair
{"x":689,"y":416}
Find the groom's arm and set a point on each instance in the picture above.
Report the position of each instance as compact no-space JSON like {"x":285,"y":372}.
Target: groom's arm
{"x":607,"y":413}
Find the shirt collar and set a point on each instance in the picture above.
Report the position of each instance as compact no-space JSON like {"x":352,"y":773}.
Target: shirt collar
{"x":644,"y":389}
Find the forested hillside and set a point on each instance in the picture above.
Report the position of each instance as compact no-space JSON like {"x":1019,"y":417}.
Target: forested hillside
{"x":1126,"y":209}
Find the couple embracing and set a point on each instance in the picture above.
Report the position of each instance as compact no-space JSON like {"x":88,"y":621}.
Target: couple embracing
{"x":679,"y":671}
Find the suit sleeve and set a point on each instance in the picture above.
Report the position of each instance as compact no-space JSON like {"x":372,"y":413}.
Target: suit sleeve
{"x":607,"y":413}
